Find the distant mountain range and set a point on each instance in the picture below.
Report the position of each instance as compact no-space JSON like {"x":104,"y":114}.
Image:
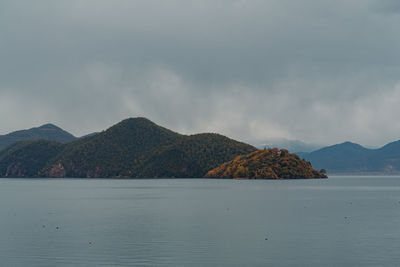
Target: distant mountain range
{"x":351,"y":158}
{"x":47,"y":132}
{"x":135,"y":147}
{"x":294,"y":146}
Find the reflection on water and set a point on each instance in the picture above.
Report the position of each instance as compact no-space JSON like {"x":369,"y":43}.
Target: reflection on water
{"x":340,"y":221}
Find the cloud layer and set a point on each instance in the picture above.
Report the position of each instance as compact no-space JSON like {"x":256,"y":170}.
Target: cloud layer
{"x":319,"y":71}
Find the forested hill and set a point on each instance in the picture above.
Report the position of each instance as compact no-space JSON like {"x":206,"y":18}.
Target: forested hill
{"x":351,"y":158}
{"x":47,"y":132}
{"x":27,"y":158}
{"x":135,"y":147}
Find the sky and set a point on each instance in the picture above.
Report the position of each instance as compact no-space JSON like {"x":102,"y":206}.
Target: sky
{"x":317,"y":71}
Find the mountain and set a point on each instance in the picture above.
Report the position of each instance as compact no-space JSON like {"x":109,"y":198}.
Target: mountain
{"x":115,"y":152}
{"x":135,"y":147}
{"x":351,"y":158}
{"x":293,"y":146}
{"x":266,"y":164}
{"x":47,"y":131}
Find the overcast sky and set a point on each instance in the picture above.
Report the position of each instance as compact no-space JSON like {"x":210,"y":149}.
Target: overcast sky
{"x":319,"y":71}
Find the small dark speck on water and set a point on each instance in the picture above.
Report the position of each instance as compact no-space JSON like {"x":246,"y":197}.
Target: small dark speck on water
{"x":57,"y":227}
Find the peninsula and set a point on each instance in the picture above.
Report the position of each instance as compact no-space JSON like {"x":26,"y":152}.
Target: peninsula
{"x":267,"y":164}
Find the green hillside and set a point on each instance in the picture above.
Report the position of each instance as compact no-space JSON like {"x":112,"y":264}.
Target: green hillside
{"x":27,"y":158}
{"x":192,"y":156}
{"x":114,"y":152}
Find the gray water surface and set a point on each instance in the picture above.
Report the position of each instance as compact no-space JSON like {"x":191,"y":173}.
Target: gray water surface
{"x":340,"y":221}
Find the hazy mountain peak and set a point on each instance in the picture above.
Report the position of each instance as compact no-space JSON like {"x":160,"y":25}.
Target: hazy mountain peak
{"x":47,"y":132}
{"x":350,"y":157}
{"x":49,"y":126}
{"x":346,"y":145}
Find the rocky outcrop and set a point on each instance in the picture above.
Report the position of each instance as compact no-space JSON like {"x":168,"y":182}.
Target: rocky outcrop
{"x":56,"y":171}
{"x":15,"y":170}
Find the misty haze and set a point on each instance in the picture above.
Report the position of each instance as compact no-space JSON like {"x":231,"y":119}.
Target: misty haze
{"x":199,"y":133}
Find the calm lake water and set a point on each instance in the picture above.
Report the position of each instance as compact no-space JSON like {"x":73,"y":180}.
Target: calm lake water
{"x":340,"y":221}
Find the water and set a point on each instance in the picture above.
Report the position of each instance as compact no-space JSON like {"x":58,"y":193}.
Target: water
{"x":340,"y":221}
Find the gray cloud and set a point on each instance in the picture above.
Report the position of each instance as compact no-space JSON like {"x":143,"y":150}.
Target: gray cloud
{"x":320,"y":71}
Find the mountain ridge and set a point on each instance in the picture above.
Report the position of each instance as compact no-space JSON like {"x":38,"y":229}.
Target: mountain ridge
{"x":46,"y":131}
{"x":352,"y":158}
{"x":135,"y":147}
